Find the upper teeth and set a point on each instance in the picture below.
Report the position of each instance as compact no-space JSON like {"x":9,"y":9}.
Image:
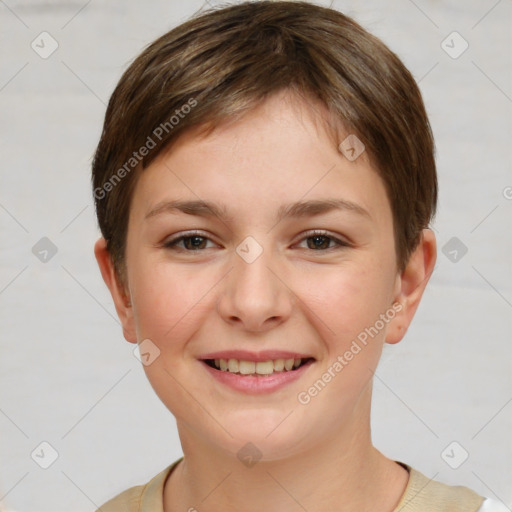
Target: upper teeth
{"x":260,"y":367}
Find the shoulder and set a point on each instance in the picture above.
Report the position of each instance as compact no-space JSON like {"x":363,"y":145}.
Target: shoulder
{"x":127,"y":501}
{"x":424,"y":494}
{"x":493,"y":506}
{"x":141,"y":498}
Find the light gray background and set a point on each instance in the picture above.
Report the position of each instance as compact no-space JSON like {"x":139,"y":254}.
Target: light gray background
{"x":67,"y":375}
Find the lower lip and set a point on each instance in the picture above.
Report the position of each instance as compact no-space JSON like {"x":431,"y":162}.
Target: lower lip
{"x":255,"y":385}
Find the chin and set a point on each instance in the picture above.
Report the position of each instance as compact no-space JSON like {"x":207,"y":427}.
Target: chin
{"x":267,"y":436}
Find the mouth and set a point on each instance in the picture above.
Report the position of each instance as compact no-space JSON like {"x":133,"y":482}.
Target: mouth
{"x":243,"y":367}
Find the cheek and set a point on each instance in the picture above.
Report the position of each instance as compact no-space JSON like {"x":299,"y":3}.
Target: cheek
{"x":169,"y":308}
{"x":345,"y":300}
{"x":167,"y":303}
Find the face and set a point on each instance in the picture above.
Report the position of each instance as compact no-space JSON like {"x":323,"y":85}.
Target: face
{"x":294,"y":258}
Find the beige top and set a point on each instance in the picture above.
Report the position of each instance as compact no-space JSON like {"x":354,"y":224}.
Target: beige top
{"x":421,"y":495}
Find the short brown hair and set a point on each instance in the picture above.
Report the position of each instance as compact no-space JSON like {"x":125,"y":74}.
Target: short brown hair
{"x":224,"y":62}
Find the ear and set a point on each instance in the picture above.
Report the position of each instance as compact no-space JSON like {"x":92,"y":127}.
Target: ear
{"x":411,"y":284}
{"x":119,"y":295}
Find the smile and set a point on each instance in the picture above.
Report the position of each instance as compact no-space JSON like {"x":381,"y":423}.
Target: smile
{"x":263,"y":368}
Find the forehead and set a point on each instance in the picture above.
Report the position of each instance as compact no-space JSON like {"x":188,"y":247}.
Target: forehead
{"x":277,"y":154}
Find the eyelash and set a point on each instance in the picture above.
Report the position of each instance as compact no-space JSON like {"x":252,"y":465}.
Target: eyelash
{"x":172,"y":244}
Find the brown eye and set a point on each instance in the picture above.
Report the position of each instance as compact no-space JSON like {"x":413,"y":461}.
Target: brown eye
{"x":320,"y":241}
{"x":194,"y":242}
{"x":191,"y":242}
{"x":316,"y":241}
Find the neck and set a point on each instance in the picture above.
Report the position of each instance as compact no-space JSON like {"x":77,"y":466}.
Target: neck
{"x":343,"y":472}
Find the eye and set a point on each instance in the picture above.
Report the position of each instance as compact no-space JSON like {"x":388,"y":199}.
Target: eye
{"x":320,"y":241}
{"x":192,"y":242}
{"x":195,"y":241}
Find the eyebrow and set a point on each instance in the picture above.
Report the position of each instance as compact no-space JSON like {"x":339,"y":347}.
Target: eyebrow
{"x":299,"y":209}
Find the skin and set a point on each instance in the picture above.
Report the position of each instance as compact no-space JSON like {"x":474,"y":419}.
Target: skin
{"x":292,"y":297}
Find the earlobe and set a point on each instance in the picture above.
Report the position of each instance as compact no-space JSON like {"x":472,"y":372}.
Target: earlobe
{"x":411,"y":284}
{"x":119,"y":295}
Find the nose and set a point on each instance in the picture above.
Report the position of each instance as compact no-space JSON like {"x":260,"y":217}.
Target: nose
{"x":255,"y":295}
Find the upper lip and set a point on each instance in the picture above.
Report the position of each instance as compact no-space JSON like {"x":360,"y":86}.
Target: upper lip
{"x":246,"y":355}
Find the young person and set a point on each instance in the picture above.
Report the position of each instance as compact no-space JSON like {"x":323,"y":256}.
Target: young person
{"x":264,"y":185}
